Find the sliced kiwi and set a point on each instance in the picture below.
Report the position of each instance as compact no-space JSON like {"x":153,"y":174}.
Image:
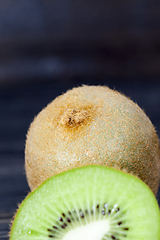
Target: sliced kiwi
{"x":92,"y":125}
{"x":89,"y":203}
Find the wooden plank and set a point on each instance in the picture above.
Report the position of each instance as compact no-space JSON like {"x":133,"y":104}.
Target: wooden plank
{"x":79,"y":38}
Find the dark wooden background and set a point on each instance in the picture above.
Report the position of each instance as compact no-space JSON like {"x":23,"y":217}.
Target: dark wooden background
{"x":48,"y":47}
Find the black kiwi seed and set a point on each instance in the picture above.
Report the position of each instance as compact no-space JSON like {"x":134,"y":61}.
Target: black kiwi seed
{"x":68,"y":220}
{"x":55,"y":227}
{"x":63,"y":215}
{"x":125,"y":228}
{"x":64,"y":225}
{"x":60,"y":219}
{"x":82,"y":215}
{"x":113,"y":237}
{"x":119,"y":223}
{"x":51,"y":236}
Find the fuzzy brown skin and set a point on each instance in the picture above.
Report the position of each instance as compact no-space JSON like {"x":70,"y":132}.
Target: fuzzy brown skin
{"x":92,"y":125}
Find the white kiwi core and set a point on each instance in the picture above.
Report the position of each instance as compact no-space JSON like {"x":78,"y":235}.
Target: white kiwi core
{"x":92,"y":231}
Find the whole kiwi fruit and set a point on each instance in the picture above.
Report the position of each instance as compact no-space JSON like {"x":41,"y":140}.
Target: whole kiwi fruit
{"x":92,"y":125}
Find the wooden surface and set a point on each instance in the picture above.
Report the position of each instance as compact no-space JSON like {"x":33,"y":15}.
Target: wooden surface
{"x":98,"y":37}
{"x":20,"y":103}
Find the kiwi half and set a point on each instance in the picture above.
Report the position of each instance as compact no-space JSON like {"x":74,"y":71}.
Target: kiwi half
{"x":92,"y":125}
{"x":89,"y":203}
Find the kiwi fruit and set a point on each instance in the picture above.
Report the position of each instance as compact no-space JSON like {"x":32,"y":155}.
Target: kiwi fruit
{"x":90,"y":203}
{"x":92,"y":125}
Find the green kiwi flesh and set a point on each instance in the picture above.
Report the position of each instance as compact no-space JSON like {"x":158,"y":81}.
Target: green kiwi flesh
{"x":92,"y":125}
{"x":89,"y":203}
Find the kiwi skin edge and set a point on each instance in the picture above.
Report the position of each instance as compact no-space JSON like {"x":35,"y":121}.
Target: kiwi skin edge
{"x":92,"y":125}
